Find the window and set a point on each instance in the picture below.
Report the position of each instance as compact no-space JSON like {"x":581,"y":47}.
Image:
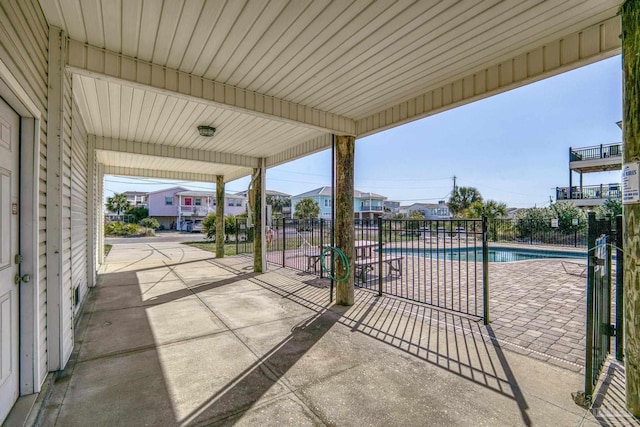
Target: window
{"x":198,"y":201}
{"x":326,"y":203}
{"x":238,"y":202}
{"x":230,"y":203}
{"x":168,"y":200}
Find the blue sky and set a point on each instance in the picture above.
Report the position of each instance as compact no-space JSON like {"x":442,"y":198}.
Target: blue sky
{"x":513,"y":147}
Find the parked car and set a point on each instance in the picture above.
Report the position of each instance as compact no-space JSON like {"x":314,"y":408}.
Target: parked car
{"x":194,"y":226}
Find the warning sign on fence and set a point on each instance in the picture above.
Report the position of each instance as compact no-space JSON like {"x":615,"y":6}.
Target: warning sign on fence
{"x":630,"y":183}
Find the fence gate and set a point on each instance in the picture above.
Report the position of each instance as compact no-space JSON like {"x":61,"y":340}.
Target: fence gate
{"x":601,"y":239}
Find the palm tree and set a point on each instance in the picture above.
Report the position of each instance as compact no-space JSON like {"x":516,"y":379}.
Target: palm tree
{"x":307,"y":208}
{"x":118,"y":203}
{"x":491,"y":209}
{"x":462,"y":198}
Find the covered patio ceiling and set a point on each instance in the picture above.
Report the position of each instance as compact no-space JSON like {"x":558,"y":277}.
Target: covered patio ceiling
{"x":277,"y":78}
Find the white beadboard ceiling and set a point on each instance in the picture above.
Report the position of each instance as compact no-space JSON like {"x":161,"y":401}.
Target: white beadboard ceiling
{"x":352,"y":59}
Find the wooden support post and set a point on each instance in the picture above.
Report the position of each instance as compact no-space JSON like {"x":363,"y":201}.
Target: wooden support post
{"x":630,"y":15}
{"x":258,"y":220}
{"x":345,"y":153}
{"x":219,"y":216}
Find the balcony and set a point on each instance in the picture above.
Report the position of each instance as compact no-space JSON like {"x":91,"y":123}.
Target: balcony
{"x":368,"y":208}
{"x":599,"y":158}
{"x":589,"y":195}
{"x":191,"y":210}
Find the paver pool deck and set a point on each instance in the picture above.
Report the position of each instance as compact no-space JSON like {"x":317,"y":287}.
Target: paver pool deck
{"x":535,"y":305}
{"x":172,"y":336}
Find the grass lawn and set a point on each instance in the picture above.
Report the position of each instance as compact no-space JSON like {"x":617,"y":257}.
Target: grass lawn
{"x":107,"y":249}
{"x":229,"y":248}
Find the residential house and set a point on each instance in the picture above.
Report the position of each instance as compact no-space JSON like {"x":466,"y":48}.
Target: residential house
{"x":366,"y":206}
{"x":598,"y":158}
{"x":438,"y":210}
{"x":178,"y":208}
{"x":391,"y":206}
{"x":286,"y":210}
{"x":137,"y":198}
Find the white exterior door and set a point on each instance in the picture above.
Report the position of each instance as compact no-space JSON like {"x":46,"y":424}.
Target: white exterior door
{"x":9,"y":172}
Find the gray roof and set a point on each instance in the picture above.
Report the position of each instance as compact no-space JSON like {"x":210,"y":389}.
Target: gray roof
{"x":195,"y":193}
{"x":168,"y":189}
{"x":425,"y":206}
{"x":326,"y":191}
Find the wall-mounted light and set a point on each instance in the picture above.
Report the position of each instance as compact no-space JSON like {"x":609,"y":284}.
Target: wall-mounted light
{"x":207,"y":131}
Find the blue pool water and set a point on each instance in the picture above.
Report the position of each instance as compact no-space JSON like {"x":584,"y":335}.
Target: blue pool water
{"x":496,"y":254}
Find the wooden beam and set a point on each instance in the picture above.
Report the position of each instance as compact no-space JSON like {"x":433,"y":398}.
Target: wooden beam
{"x":592,"y":44}
{"x":92,"y":61}
{"x":172,"y":152}
{"x":166,"y":174}
{"x":306,"y":148}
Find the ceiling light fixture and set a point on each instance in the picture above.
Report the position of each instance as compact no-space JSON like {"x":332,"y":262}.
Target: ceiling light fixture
{"x":207,"y":131}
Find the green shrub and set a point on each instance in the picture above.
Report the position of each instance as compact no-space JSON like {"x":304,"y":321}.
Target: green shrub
{"x":122,"y":229}
{"x":138,"y":213}
{"x":209,"y":226}
{"x":151,"y":223}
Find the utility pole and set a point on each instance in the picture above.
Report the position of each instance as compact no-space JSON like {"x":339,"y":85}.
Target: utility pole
{"x":454,"y":185}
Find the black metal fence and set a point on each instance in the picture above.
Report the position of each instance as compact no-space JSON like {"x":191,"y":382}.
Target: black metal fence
{"x":602,"y":322}
{"x":437,"y":262}
{"x":511,"y":231}
{"x":443,"y":263}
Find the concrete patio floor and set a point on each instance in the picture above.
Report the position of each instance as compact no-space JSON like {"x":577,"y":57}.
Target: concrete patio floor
{"x":172,"y":336}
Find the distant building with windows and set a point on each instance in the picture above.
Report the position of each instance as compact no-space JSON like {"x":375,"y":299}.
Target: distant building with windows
{"x":438,"y":210}
{"x":594,"y":159}
{"x":286,"y":210}
{"x":179,"y":208}
{"x":391,"y":206}
{"x":137,"y":198}
{"x":599,"y":158}
{"x":366,"y":206}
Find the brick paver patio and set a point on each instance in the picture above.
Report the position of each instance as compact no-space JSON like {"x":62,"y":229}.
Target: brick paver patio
{"x":536,"y":307}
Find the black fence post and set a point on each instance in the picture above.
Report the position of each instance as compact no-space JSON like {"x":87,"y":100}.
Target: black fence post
{"x":284,"y":241}
{"x":321,"y":245}
{"x":592,"y":235}
{"x":619,"y":293}
{"x":485,"y":271}
{"x":237,"y":235}
{"x":380,"y":256}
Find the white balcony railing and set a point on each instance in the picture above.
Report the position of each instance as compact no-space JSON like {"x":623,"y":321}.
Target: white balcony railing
{"x":192,"y":210}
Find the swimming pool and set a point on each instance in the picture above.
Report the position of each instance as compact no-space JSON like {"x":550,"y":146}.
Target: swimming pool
{"x":496,"y":254}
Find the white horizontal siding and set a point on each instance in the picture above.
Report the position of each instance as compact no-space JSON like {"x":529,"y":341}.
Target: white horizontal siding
{"x":23,"y":48}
